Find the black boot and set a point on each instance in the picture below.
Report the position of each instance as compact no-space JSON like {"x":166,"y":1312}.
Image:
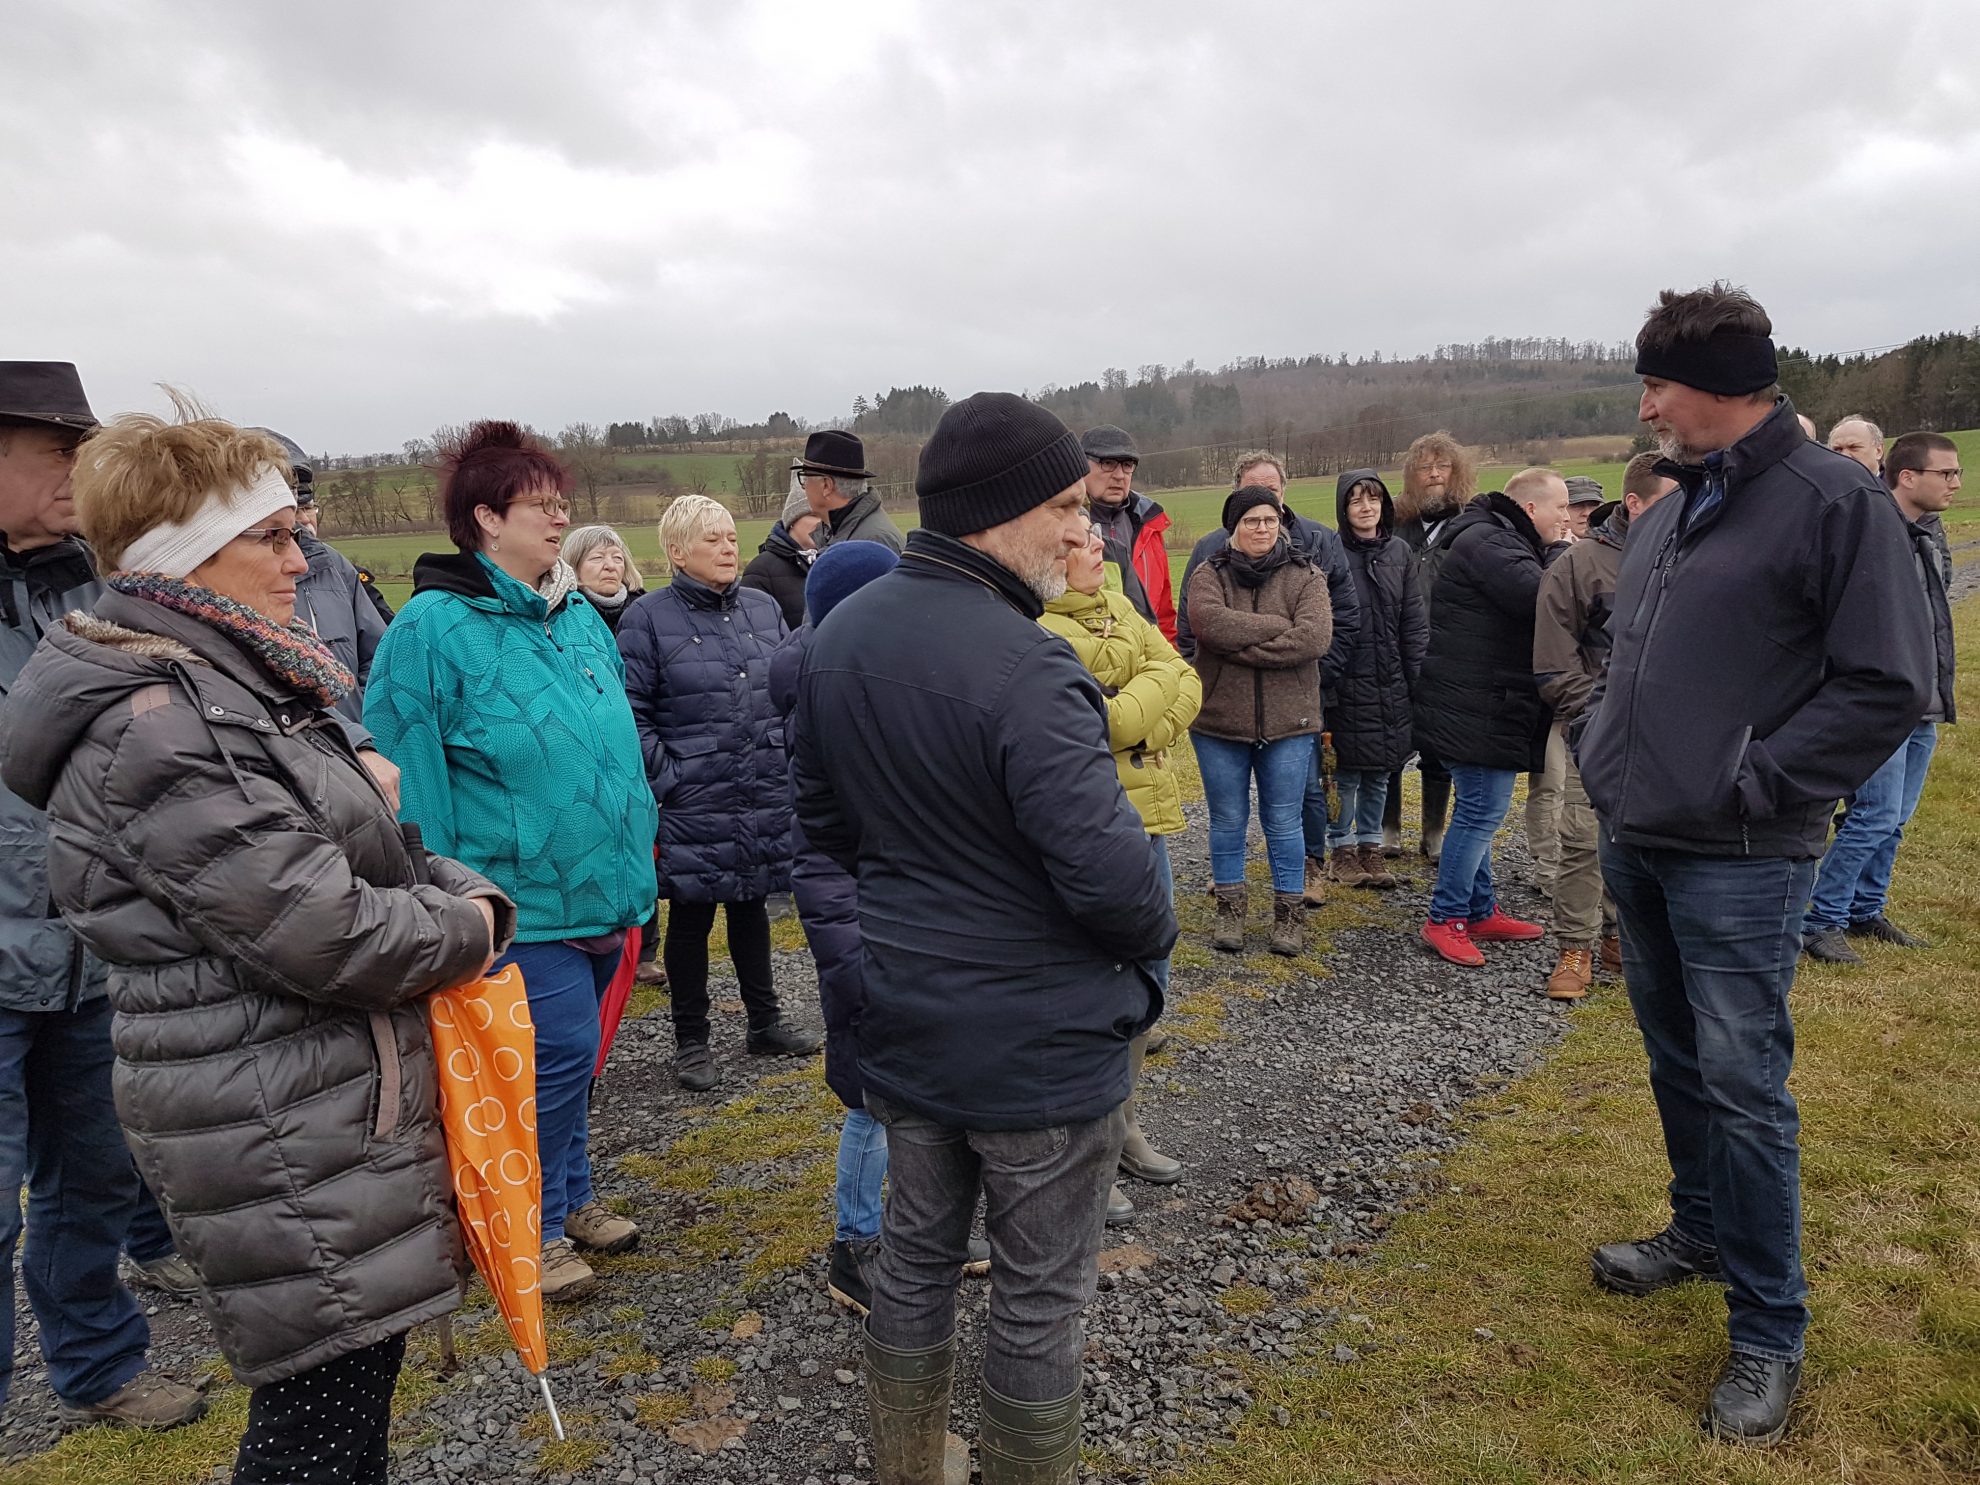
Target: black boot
{"x":1653,"y":1263}
{"x":1750,"y":1401}
{"x":1436,"y":811}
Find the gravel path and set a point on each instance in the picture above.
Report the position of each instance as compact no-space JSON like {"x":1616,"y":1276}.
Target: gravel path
{"x":1309,"y":1099}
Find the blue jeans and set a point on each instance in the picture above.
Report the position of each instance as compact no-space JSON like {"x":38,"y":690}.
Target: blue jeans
{"x":1364,"y":795}
{"x":1160,"y":967}
{"x":148,"y":1239}
{"x":862,"y":1167}
{"x":1480,"y":799}
{"x":1314,"y":827}
{"x":1709,"y":949}
{"x":564,"y":986}
{"x":60,"y":1137}
{"x":1855,"y":880}
{"x":1282,"y":768}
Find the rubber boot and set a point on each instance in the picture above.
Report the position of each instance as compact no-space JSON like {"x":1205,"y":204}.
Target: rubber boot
{"x":1139,"y":1158}
{"x":1233,"y":902}
{"x":907,"y":1404}
{"x":1288,"y":924}
{"x":1436,"y":811}
{"x":1392,"y":817}
{"x":1028,"y":1443}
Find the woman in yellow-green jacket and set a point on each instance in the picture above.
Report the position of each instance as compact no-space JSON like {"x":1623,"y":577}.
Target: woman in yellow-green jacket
{"x":1153,"y":695}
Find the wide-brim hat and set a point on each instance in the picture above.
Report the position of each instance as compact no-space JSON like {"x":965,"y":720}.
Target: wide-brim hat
{"x":48,"y":393}
{"x":834,"y":451}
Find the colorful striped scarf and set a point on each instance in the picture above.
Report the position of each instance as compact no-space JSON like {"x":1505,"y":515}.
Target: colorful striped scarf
{"x":292,"y":653}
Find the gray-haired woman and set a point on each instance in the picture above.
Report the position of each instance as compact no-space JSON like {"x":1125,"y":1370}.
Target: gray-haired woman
{"x":606,"y":573}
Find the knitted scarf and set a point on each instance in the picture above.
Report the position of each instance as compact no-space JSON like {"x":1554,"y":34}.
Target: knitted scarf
{"x":291,"y":654}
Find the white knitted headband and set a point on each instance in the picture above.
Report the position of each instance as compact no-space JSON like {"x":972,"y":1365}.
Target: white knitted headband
{"x":177,"y":547}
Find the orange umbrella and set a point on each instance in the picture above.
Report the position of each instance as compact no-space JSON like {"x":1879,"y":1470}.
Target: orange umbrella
{"x":485,"y":1045}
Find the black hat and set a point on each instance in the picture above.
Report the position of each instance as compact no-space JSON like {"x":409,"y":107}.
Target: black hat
{"x":993,"y":457}
{"x":1247,"y":498}
{"x":1108,"y":442}
{"x":834,"y":451}
{"x":48,"y":393}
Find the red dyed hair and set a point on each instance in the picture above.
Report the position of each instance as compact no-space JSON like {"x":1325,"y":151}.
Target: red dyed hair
{"x":492,"y":463}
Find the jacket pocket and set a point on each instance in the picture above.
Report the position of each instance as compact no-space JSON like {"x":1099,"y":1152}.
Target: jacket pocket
{"x":391,"y":1075}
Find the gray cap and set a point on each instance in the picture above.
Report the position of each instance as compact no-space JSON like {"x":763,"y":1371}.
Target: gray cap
{"x":1584,"y":491}
{"x":1108,"y":442}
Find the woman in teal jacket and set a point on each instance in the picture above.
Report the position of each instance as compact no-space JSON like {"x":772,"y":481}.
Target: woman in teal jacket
{"x":499,"y":693}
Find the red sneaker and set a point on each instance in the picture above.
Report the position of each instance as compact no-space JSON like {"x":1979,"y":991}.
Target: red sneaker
{"x":1500,"y":929}
{"x":1452,"y":941}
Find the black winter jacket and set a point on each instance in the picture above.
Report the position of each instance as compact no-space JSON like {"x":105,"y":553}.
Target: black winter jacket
{"x":952,"y":754}
{"x":1368,"y":708}
{"x":779,"y":568}
{"x":1928,"y":541}
{"x":1767,"y":659}
{"x":698,"y":677}
{"x":1476,"y":701}
{"x":1323,"y":549}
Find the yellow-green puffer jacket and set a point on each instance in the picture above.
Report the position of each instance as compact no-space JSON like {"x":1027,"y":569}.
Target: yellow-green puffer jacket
{"x":1152,"y":696}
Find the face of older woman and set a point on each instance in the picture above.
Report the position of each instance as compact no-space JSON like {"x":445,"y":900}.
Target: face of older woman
{"x":259,"y":568}
{"x":524,"y":541}
{"x":711,"y":557}
{"x":1257,"y":529}
{"x":603,"y":570}
{"x":1086,"y":567}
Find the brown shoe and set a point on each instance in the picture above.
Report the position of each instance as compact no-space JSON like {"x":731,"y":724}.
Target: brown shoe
{"x":650,"y":972}
{"x":1344,"y":869}
{"x":1374,"y":870}
{"x":1612,"y":954}
{"x":150,"y":1400}
{"x":1316,"y":883}
{"x":1572,"y":975}
{"x":598,"y":1229}
{"x":1288,"y":924}
{"x":1233,"y":902}
{"x":566,"y":1277}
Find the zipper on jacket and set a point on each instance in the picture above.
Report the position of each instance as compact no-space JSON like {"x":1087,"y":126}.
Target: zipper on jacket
{"x":1666,"y":561}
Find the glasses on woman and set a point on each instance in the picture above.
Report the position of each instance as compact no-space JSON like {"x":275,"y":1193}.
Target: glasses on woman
{"x":550,"y":505}
{"x":277,"y":539}
{"x":1259,"y":523}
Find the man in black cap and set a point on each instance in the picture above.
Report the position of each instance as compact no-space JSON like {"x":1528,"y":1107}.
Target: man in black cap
{"x":1132,"y":526}
{"x":1753,"y":681}
{"x":59,"y":1133}
{"x":952,"y":755}
{"x":833,"y":473}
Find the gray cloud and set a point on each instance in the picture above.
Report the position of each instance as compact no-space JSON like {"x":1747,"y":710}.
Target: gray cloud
{"x":358,"y":221}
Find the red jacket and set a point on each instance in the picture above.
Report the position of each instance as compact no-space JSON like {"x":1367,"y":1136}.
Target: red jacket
{"x":1150,"y":557}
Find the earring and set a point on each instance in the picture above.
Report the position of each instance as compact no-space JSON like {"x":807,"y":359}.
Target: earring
{"x":495,"y":545}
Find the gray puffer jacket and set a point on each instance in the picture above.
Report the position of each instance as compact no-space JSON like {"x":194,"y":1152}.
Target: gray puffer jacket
{"x":330,"y":598}
{"x":216,"y":842}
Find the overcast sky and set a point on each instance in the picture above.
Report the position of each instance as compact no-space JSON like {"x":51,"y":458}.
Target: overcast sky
{"x":356,"y":221}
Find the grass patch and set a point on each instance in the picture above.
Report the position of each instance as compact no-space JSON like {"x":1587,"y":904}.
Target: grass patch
{"x":660,"y":1410}
{"x":630,"y":1361}
{"x":1245,"y":1299}
{"x":537,"y":1424}
{"x":569,"y":1456}
{"x":123,"y":1456}
{"x":714,"y":1368}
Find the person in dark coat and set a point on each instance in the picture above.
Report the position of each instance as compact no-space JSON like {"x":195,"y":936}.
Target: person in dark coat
{"x":1770,"y":651}
{"x":697,"y":656}
{"x":834,"y":478}
{"x":781,"y":564}
{"x":952,"y":755}
{"x":1368,"y":708}
{"x":606,"y":574}
{"x":1477,"y":707}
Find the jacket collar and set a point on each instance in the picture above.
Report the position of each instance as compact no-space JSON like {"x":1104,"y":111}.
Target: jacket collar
{"x":205,"y":643}
{"x":845,"y":515}
{"x":1768,"y":442}
{"x":68,"y":549}
{"x":1493,"y":505}
{"x":945,"y":557}
{"x":473,"y":577}
{"x":697,"y":594}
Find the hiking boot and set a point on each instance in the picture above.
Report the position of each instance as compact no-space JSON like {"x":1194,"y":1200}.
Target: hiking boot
{"x":1496,"y":927}
{"x":1344,"y":869}
{"x":1374,"y":871}
{"x":1315,"y":894}
{"x":1829,"y":946}
{"x":1573,"y":973}
{"x":1120,"y":1211}
{"x":1884,"y":931}
{"x":168,"y":1275}
{"x":1653,"y":1263}
{"x":566,"y":1277}
{"x":1451,"y":941}
{"x":977,"y":1264}
{"x":694,"y":1069}
{"x":1233,"y":902}
{"x":1139,"y":1158}
{"x":1288,"y":924}
{"x":781,"y":1039}
{"x":1612,"y":955}
{"x":1157,"y":1040}
{"x":150,"y":1400}
{"x":1750,"y":1401}
{"x":847,"y":1275}
{"x":1028,"y":1443}
{"x":598,"y":1229}
{"x":650,"y":972}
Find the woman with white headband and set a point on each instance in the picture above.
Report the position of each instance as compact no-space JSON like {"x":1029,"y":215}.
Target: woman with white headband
{"x":216,"y":841}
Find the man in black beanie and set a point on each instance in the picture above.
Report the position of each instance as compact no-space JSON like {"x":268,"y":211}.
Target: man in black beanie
{"x":952,"y":755}
{"x":1769,"y":652}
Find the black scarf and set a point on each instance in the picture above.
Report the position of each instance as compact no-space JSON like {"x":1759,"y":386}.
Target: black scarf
{"x":1252,"y":572}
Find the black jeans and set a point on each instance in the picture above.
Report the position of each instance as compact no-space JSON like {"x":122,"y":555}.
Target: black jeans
{"x":685,"y":953}
{"x":1045,"y":1206}
{"x":329,"y":1425}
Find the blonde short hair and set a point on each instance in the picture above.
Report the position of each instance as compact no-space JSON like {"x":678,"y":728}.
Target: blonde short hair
{"x":688,"y":519}
{"x":138,"y":472}
{"x":582,"y":542}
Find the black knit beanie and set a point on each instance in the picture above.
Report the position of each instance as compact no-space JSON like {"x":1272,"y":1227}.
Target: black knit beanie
{"x":993,"y":457}
{"x":1251,"y":496}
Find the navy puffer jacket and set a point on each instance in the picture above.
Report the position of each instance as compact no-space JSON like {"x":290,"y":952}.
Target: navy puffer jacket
{"x":698,"y":677}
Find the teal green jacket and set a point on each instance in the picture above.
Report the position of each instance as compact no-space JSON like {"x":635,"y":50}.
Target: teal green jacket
{"x":506,"y":713}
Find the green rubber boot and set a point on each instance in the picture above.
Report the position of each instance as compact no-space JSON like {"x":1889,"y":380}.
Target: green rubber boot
{"x":1029,"y":1443}
{"x":907,"y":1403}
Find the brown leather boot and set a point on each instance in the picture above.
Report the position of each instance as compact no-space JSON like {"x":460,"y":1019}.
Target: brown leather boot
{"x":1611,"y":954}
{"x":1316,"y":882}
{"x":1344,"y":868}
{"x":1573,"y":973}
{"x":1233,"y":902}
{"x":1288,"y":924}
{"x":1374,"y":870}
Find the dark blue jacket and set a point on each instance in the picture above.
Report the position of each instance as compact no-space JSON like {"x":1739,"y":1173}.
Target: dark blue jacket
{"x":952,"y":754}
{"x":1767,"y":658}
{"x":1368,"y":706}
{"x":1323,"y":549}
{"x":698,"y":677}
{"x":828,"y":906}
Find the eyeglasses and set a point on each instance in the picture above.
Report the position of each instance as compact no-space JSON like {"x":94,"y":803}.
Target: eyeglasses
{"x":1115,"y":466}
{"x":550,"y":505}
{"x":1950,"y":476}
{"x":277,"y":539}
{"x":1259,"y":523}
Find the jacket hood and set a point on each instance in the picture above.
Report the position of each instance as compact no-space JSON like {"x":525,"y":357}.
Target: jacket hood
{"x":780,"y":543}
{"x":1344,"y":485}
{"x":1608,"y":523}
{"x":1492,"y":506}
{"x":473,"y":577}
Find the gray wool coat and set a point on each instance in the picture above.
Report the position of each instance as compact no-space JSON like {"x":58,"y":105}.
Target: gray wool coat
{"x":214,"y":840}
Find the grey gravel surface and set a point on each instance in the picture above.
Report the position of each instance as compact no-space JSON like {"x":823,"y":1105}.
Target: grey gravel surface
{"x":1311,"y":1098}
